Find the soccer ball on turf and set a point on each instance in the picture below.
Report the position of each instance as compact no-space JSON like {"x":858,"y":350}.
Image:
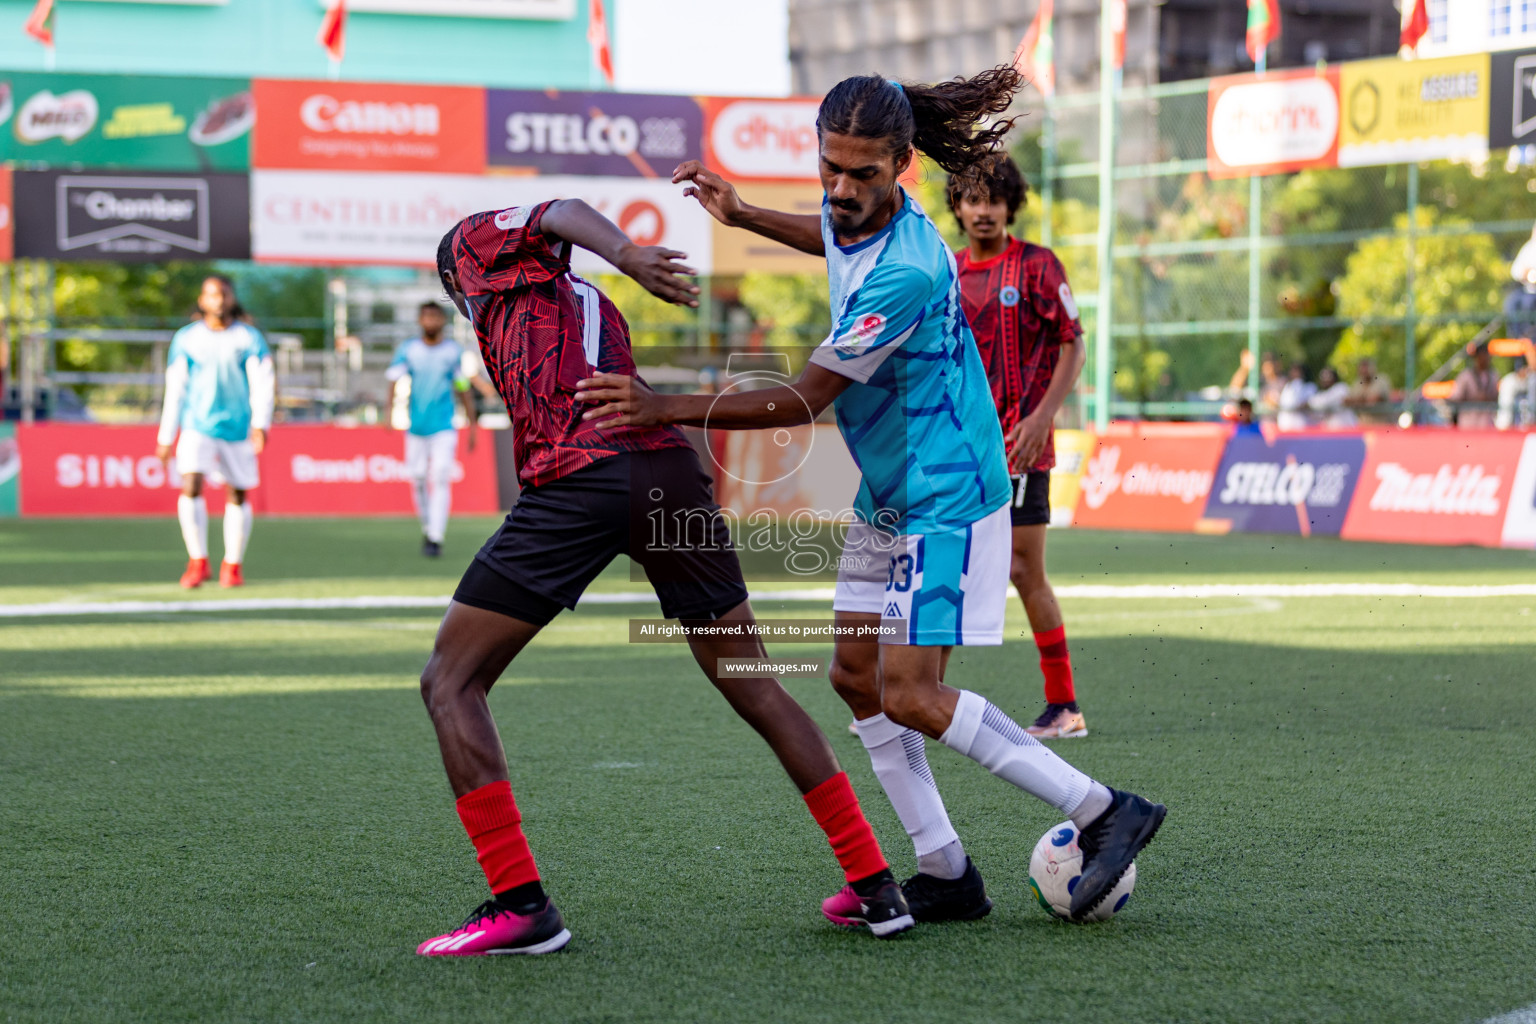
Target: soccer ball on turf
{"x":1055,"y":867}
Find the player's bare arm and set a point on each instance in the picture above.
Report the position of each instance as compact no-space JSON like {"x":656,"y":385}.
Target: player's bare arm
{"x":1028,"y":437}
{"x":654,"y":267}
{"x":718,"y":196}
{"x":471,"y":415}
{"x":620,"y":400}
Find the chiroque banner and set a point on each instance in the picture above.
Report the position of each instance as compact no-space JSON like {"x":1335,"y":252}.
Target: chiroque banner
{"x":1150,"y":476}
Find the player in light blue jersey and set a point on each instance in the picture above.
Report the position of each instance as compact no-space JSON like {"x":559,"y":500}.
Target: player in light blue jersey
{"x":219,"y":390}
{"x":912,"y":401}
{"x":435,"y":367}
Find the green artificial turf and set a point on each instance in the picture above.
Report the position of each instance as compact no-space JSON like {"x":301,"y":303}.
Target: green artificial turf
{"x":240,"y":817}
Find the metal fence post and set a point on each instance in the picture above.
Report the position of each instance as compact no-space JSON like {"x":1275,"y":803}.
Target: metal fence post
{"x":1047,"y":174}
{"x":1104,"y":316}
{"x":1410,"y":314}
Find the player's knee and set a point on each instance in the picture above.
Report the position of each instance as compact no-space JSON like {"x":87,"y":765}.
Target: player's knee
{"x":435,"y":685}
{"x":236,"y":497}
{"x":1027,"y":575}
{"x":849,"y":682}
{"x":907,"y":708}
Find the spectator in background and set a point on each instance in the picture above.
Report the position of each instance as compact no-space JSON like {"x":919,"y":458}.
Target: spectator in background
{"x":1293,"y":399}
{"x":1520,"y":304}
{"x":1271,"y":383}
{"x":1476,"y":392}
{"x":1517,"y":392}
{"x":1329,"y":403}
{"x":1370,"y":396}
{"x":1245,"y":424}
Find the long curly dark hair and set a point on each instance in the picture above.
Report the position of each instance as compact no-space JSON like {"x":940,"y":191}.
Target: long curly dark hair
{"x":940,"y":120}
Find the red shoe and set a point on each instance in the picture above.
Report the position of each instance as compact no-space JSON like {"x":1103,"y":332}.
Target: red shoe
{"x":197,"y":572}
{"x":229,"y":575}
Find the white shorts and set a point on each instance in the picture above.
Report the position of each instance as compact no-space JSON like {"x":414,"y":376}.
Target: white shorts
{"x":949,"y":587}
{"x":221,"y":462}
{"x":430,"y":456}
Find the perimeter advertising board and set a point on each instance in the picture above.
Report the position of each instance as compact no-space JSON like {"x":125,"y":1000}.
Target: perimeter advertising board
{"x":762,"y":139}
{"x":1401,"y":111}
{"x":1150,"y":476}
{"x":340,"y":218}
{"x":10,"y":470}
{"x":596,"y":133}
{"x":7,"y":217}
{"x":1434,"y":487}
{"x":166,"y":123}
{"x":94,"y":470}
{"x":1073,"y":449}
{"x":1291,"y":485}
{"x":1520,"y":520}
{"x":1284,"y":121}
{"x":128,"y":216}
{"x":1512,"y":99}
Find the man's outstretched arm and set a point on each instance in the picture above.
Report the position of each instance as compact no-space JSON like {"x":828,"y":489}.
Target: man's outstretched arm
{"x":656,"y":269}
{"x":618,"y":400}
{"x":718,"y":196}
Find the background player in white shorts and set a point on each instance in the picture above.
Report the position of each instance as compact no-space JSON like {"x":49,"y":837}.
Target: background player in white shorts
{"x":435,"y":366}
{"x":219,"y":389}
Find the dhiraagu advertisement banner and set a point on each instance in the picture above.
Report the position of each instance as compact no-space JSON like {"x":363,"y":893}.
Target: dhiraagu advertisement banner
{"x":10,"y":470}
{"x":1400,"y":111}
{"x":111,"y":121}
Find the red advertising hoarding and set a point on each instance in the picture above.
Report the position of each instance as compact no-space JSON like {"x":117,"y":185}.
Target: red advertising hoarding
{"x":366,"y":126}
{"x":92,"y":470}
{"x":762,"y":139}
{"x":1282,"y":121}
{"x":1434,"y":487}
{"x":1150,"y":476}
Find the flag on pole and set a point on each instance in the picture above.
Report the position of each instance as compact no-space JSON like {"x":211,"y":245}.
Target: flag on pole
{"x":1415,"y":23}
{"x":1263,"y":26}
{"x":1117,"y":20}
{"x":1036,"y":56}
{"x":40,"y":23}
{"x":597,"y":38}
{"x":333,"y":31}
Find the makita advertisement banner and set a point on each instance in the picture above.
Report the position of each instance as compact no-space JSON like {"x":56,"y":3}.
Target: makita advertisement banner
{"x":1435,"y":487}
{"x":1288,"y":485}
{"x":132,"y":217}
{"x":94,"y":470}
{"x":597,"y":133}
{"x":1150,"y":476}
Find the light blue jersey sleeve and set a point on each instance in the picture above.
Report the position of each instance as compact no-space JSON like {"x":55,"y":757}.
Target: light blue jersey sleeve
{"x":877,"y":319}
{"x":399,"y":366}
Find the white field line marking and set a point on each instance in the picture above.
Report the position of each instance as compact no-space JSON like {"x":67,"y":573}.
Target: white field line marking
{"x":1525,"y":1015}
{"x":1090,"y":591}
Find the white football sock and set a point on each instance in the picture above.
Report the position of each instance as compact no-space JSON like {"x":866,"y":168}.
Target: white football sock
{"x":945,"y":862}
{"x":990,"y":738}
{"x":192,"y":513}
{"x":439,"y":498}
{"x":901,"y":765}
{"x":419,"y":499}
{"x":1094,"y":804}
{"x":237,"y":531}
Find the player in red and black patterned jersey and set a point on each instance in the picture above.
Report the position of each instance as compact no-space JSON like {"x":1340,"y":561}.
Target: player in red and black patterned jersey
{"x":1016,"y":297}
{"x":590,"y":494}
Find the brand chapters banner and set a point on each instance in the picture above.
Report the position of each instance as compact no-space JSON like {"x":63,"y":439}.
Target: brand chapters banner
{"x":1291,"y":485}
{"x":128,"y":217}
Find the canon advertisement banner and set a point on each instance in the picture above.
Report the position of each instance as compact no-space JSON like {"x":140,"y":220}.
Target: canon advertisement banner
{"x":132,"y":217}
{"x":762,"y":139}
{"x":320,"y":217}
{"x":93,"y":470}
{"x":1434,"y":487}
{"x":597,"y":133}
{"x":365,"y":126}
{"x":1293,"y":485}
{"x":1285,"y":121}
{"x":1150,"y":476}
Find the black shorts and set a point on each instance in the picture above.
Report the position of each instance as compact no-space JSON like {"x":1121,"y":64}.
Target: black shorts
{"x":657,"y":507}
{"x":1031,"y":499}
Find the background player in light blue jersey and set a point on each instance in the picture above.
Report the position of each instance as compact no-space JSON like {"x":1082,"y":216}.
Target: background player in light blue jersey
{"x":219,"y":389}
{"x":914,"y":407}
{"x":435,"y":367}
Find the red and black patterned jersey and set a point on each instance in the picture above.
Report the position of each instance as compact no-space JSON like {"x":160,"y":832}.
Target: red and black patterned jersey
{"x":541,"y":330}
{"x":1021,"y":311}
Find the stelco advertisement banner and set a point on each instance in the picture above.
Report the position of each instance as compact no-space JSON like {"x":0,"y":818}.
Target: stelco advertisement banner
{"x":131,"y":216}
{"x":1397,"y":111}
{"x":595,"y":133}
{"x":1290,"y":485}
{"x":94,"y":470}
{"x":194,"y":124}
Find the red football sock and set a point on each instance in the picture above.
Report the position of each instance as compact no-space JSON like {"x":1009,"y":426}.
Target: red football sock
{"x":1056,"y":666}
{"x":495,"y":827}
{"x":836,"y":810}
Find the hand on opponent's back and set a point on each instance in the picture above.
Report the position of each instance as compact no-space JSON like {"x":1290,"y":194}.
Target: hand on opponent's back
{"x":625,"y":401}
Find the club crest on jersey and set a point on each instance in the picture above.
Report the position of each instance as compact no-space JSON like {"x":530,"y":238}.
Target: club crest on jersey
{"x":511,"y":220}
{"x":1009,"y":295}
{"x":869,"y":328}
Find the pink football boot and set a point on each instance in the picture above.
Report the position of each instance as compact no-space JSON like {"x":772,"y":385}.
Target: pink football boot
{"x":494,"y":929}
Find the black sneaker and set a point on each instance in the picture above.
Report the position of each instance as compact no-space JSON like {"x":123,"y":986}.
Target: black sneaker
{"x":948,"y":899}
{"x":431,"y":548}
{"x":885,"y":913}
{"x":1110,"y":843}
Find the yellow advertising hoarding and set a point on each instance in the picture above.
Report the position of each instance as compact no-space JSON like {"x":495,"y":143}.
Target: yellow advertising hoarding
{"x":1073,"y":447}
{"x":738,"y":251}
{"x":1400,"y":111}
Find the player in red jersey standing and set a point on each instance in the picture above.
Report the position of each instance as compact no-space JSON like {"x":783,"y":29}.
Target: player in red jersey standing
{"x":590,"y":494}
{"x":1016,"y":296}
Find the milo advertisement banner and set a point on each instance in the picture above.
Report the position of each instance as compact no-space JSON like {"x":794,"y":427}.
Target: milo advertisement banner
{"x":1293,"y":485}
{"x":10,"y":470}
{"x":193,"y":124}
